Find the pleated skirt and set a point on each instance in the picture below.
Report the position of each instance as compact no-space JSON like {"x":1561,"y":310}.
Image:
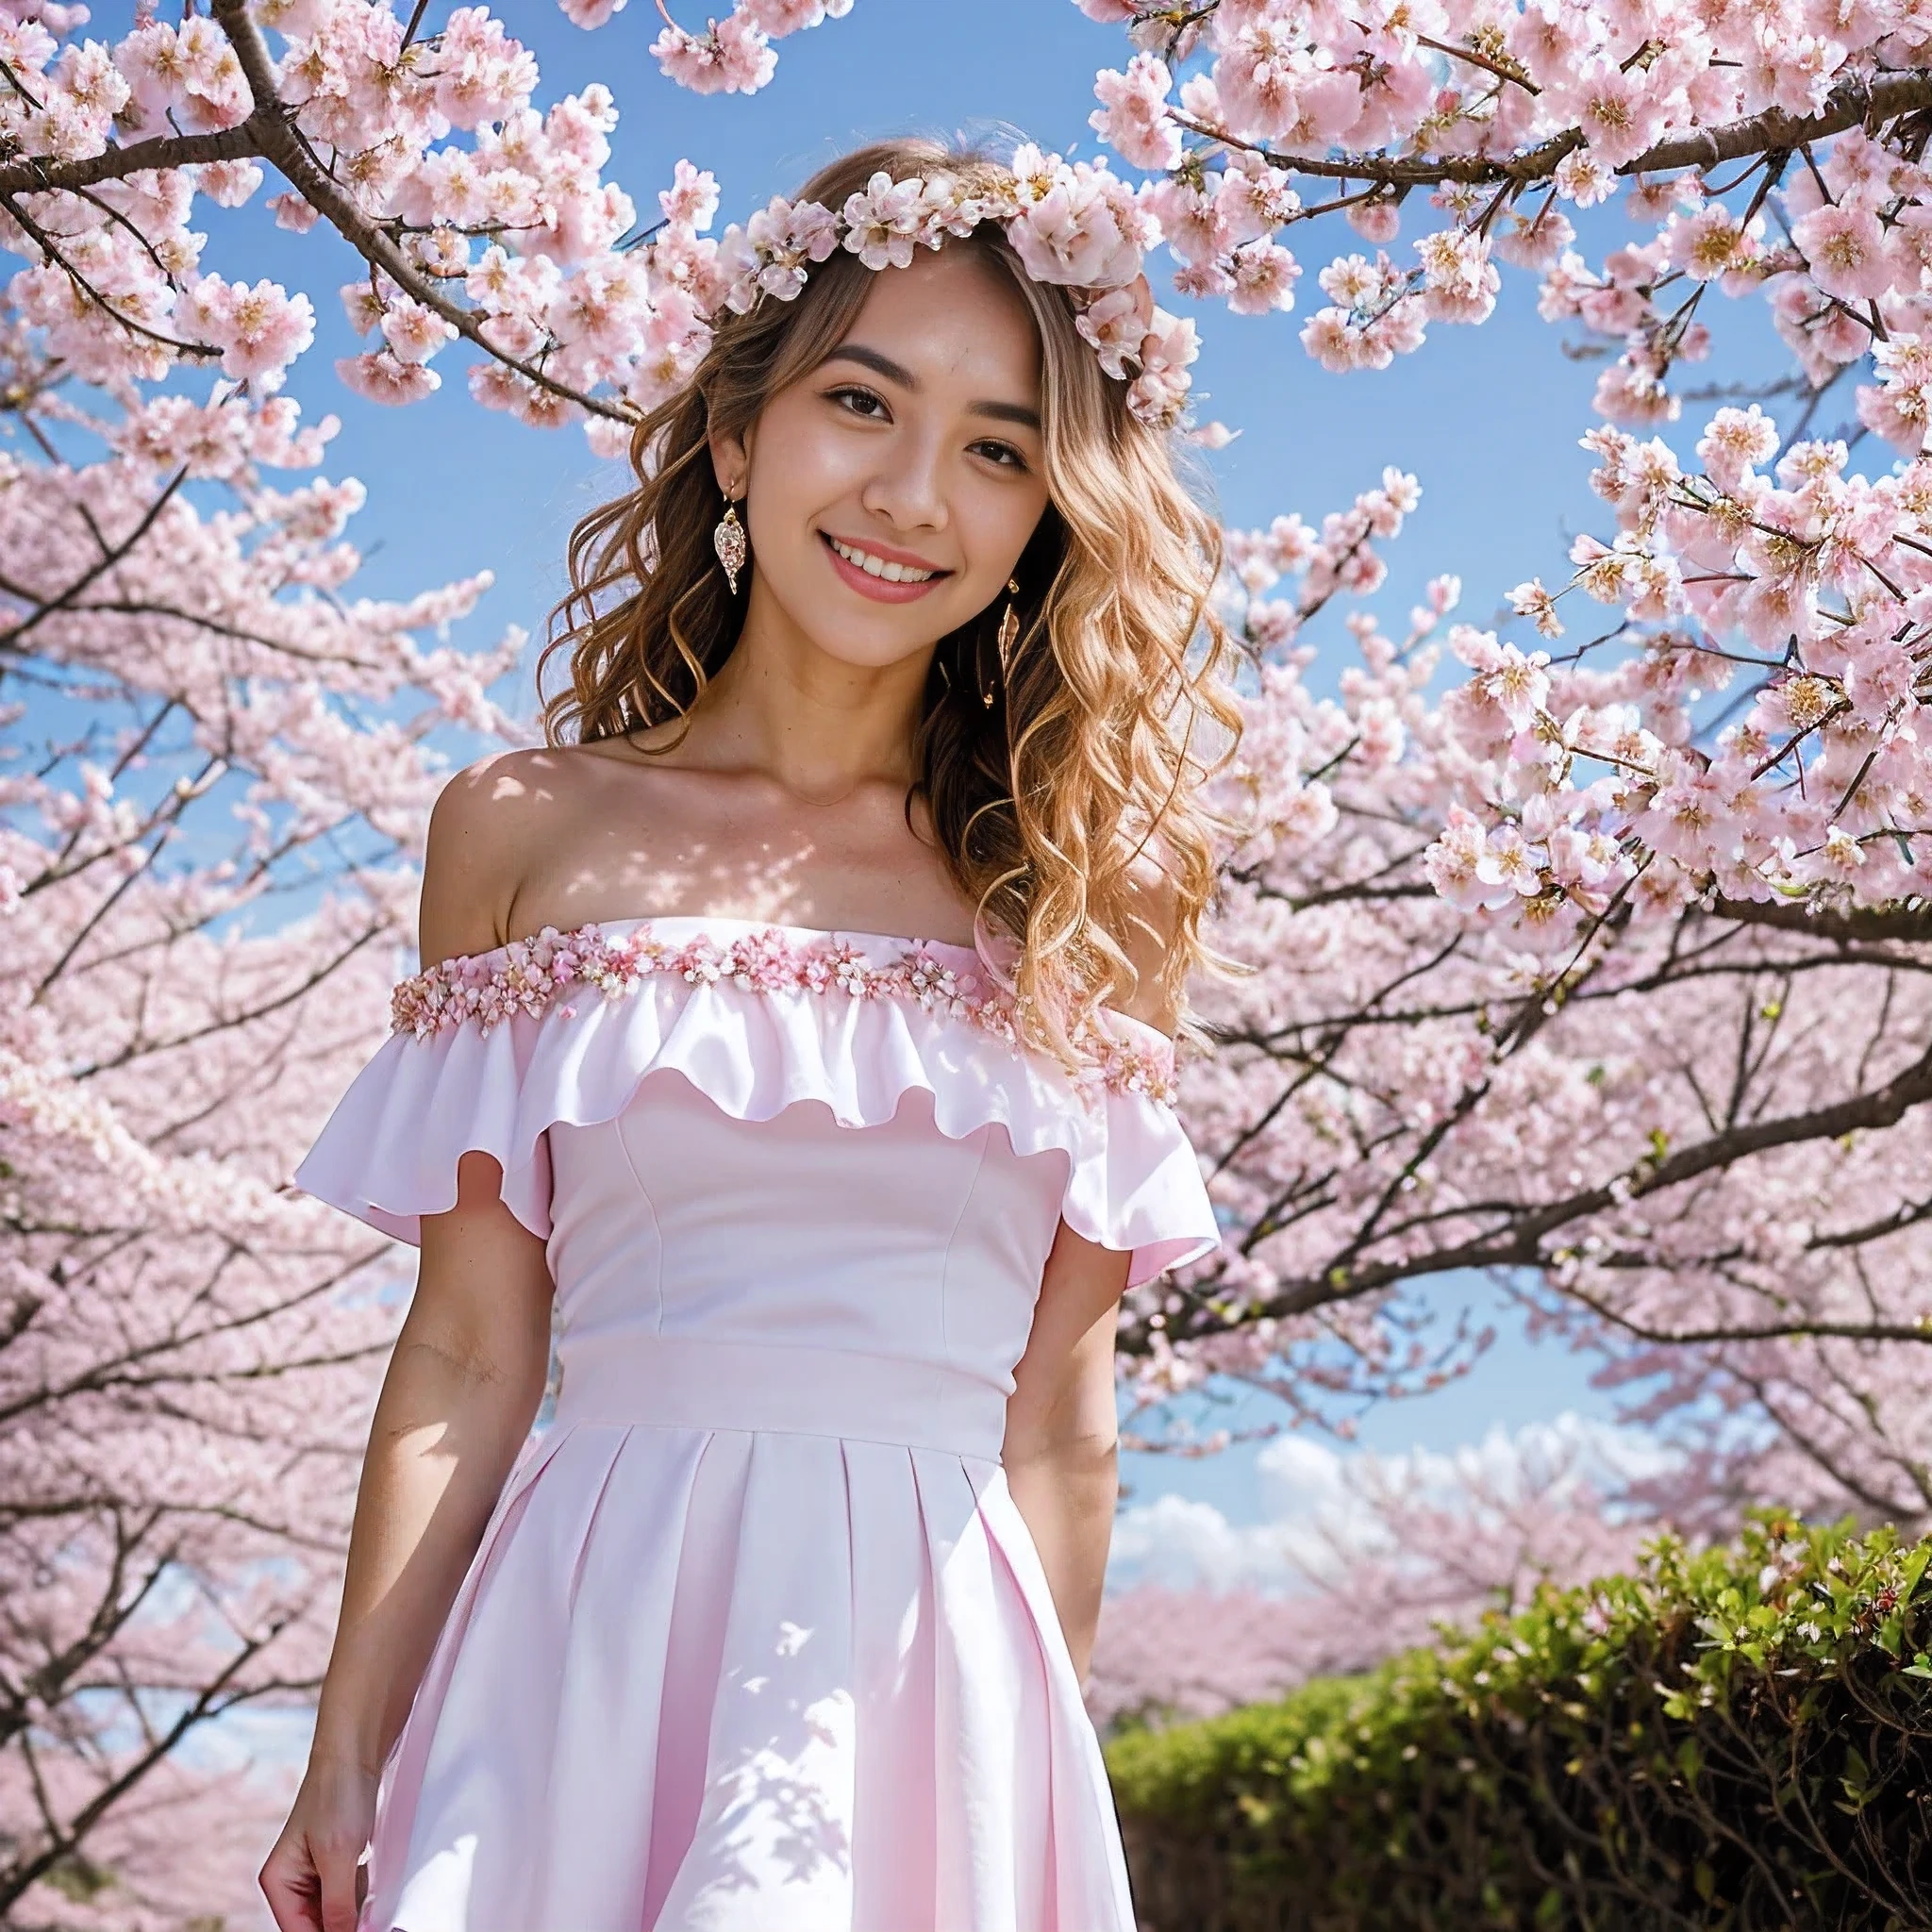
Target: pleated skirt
{"x":747,"y":1680}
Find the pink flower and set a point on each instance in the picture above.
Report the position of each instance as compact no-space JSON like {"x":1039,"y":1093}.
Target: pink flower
{"x":1259,"y":65}
{"x":1459,"y":281}
{"x":763,"y":961}
{"x":293,"y":214}
{"x":1191,"y":218}
{"x":1710,"y":243}
{"x":778,"y":18}
{"x":1470,"y":871}
{"x":1845,"y":250}
{"x":1158,"y":393}
{"x":884,"y":222}
{"x":1584,"y":177}
{"x":1116,"y":324}
{"x":228,"y":184}
{"x":1133,"y":117}
{"x":733,"y":58}
{"x":1616,"y":109}
{"x":259,"y":327}
{"x":481,"y":73}
{"x":378,"y":377}
{"x":1076,"y":224}
{"x":1264,"y":278}
{"x":692,"y":199}
{"x":1255,"y":199}
{"x":768,"y":256}
{"x":1377,"y":221}
{"x":413,"y":332}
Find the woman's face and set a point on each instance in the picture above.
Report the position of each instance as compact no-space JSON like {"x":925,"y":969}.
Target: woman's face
{"x":891,"y":490}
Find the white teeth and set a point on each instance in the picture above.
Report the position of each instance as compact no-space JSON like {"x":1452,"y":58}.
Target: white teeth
{"x":877,"y":566}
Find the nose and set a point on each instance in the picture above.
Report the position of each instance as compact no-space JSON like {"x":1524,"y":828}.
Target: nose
{"x":907,"y":488}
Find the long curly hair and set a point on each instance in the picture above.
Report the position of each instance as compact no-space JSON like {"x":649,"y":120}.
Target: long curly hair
{"x":1056,"y":807}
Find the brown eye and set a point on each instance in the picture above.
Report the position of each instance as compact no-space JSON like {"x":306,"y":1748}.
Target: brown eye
{"x":860,"y":402}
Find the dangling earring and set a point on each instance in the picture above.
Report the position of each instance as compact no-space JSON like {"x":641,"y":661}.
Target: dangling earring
{"x":727,"y":540}
{"x":1007,"y":637}
{"x":1009,"y":627}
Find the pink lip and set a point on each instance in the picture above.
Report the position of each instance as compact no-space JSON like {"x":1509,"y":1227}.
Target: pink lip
{"x":881,"y":590}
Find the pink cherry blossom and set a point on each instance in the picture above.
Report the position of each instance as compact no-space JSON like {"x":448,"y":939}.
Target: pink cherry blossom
{"x":384,"y":377}
{"x":1133,"y":117}
{"x":1117,"y":324}
{"x":885,"y":222}
{"x":1264,"y":278}
{"x":1167,"y":350}
{"x":733,"y":56}
{"x":1845,"y":251}
{"x":258,"y":327}
{"x":1078,"y":225}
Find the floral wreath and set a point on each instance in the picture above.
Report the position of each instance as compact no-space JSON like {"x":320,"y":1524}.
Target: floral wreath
{"x":1070,"y":222}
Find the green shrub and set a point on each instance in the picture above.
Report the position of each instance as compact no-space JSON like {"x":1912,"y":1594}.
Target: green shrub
{"x":1738,"y":1739}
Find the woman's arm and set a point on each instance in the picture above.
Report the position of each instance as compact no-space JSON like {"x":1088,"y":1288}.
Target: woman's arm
{"x":1063,"y":1439}
{"x":457,"y":1402}
{"x":1062,"y":1444}
{"x":457,"y":1405}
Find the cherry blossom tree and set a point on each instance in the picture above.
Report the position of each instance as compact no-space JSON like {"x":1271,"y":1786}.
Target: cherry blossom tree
{"x":204,"y":869}
{"x":1601,"y":970}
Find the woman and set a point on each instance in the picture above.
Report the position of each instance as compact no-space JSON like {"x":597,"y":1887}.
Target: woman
{"x":830,"y":1106}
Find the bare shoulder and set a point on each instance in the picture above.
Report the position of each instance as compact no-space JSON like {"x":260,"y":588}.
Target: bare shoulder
{"x":488,"y":820}
{"x":1153,"y":917}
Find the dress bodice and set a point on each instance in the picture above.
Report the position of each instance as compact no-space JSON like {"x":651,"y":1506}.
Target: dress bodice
{"x":732,"y":1133}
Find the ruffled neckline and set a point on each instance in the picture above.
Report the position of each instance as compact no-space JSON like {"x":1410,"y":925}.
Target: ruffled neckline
{"x":616,"y":956}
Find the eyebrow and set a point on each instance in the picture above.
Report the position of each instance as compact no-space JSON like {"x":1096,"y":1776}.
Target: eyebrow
{"x":894,"y":372}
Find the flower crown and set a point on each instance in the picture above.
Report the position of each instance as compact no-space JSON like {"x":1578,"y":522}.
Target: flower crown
{"x":1069,"y":223}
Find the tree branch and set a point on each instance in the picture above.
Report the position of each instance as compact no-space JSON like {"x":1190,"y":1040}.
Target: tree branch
{"x":1520,"y":1244}
{"x":35,"y":175}
{"x":282,"y":145}
{"x":1905,"y":922}
{"x":1851,"y":104}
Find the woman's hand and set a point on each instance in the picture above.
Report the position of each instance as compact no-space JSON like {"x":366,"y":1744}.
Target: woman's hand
{"x":313,"y":1879}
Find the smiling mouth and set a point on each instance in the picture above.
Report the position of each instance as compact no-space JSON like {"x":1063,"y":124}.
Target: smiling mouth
{"x":879,"y":567}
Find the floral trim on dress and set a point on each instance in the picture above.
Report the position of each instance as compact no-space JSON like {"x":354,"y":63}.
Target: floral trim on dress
{"x":529,"y":976}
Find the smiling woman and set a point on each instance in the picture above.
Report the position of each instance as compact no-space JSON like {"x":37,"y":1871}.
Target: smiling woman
{"x":950,"y":418}
{"x":798,"y":1024}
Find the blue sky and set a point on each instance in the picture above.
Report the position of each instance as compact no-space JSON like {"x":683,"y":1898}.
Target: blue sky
{"x":1486,"y":418}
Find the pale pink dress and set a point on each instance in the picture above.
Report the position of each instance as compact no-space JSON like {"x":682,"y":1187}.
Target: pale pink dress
{"x":757,"y":1639}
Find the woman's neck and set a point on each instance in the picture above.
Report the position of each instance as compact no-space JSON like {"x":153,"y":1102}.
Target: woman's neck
{"x":815,"y":725}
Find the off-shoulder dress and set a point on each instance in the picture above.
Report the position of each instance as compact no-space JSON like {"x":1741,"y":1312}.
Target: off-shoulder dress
{"x":756,"y":1639}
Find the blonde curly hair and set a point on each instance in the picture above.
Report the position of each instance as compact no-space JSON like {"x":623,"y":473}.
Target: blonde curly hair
{"x":1056,"y":807}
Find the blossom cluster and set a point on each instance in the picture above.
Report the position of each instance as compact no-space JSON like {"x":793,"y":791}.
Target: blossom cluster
{"x":529,"y":976}
{"x":732,"y":56}
{"x":479,"y":215}
{"x":1593,"y":785}
{"x":1228,"y":104}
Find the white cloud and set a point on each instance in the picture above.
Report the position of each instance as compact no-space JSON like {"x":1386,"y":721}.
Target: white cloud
{"x":1323,"y":1507}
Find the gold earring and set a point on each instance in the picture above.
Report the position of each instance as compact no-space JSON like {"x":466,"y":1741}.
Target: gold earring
{"x":727,"y":540}
{"x":1007,"y":637}
{"x":1009,"y":627}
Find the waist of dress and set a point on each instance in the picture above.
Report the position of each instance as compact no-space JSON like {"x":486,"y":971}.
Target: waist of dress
{"x":698,"y":1383}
